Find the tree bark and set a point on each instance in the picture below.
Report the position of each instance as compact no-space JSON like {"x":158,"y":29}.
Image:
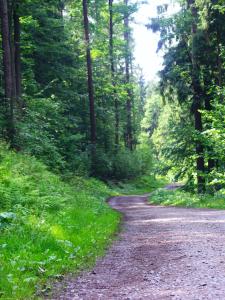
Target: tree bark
{"x":90,"y":84}
{"x":8,"y":74}
{"x":219,"y":60}
{"x":207,"y":84}
{"x":129,"y":133}
{"x":17,"y":58}
{"x":112,"y":64}
{"x":197,"y":94}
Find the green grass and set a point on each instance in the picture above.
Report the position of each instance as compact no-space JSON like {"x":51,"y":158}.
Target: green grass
{"x":142,"y":185}
{"x":47,"y":227}
{"x":185,"y":199}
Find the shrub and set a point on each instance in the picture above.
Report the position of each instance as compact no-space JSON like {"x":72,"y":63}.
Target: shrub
{"x":127,"y":164}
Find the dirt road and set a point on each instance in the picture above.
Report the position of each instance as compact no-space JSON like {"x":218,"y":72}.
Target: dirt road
{"x":161,"y":253}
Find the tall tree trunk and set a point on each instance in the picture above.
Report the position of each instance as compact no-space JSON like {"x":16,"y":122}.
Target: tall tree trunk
{"x":90,"y":84}
{"x":219,"y":60}
{"x":11,"y":6}
{"x":112,"y":64}
{"x":17,"y":58}
{"x":129,"y":134}
{"x":207,"y":84}
{"x":61,"y":7}
{"x":197,"y":94}
{"x":8,"y":73}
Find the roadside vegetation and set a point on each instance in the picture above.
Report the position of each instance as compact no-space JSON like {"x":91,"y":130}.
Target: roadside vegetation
{"x":186,"y":199}
{"x":142,"y":185}
{"x":47,"y":227}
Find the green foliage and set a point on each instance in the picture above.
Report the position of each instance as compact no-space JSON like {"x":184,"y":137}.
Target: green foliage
{"x":188,"y":133}
{"x":214,"y":138}
{"x":128,"y":164}
{"x":139,"y":186}
{"x":185,"y":199}
{"x":123,"y":164}
{"x":54,"y":123}
{"x":171,"y":135}
{"x":40,"y":129}
{"x":6,"y":219}
{"x":48,"y":227}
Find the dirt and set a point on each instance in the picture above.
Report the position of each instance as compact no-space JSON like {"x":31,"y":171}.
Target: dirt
{"x":161,"y":253}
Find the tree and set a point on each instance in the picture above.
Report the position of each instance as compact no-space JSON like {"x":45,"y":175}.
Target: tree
{"x":192,"y":72}
{"x":128,"y":134}
{"x":8,"y":72}
{"x":197,"y":99}
{"x":90,"y":83}
{"x":112,"y":63}
{"x":17,"y":55}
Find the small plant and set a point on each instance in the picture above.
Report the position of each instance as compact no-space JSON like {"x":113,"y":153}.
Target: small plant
{"x":6,"y":218}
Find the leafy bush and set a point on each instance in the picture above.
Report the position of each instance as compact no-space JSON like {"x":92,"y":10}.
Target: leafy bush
{"x":124,"y":164}
{"x":39,"y":131}
{"x":127,"y":165}
{"x":214,"y":139}
{"x":6,"y":219}
{"x":41,"y":134}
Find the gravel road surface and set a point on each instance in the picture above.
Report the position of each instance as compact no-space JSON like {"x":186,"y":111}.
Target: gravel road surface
{"x":161,"y":253}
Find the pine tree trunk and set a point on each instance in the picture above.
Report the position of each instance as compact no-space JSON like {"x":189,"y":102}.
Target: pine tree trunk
{"x":129,"y":135}
{"x":197,"y":94}
{"x":207,"y":83}
{"x":219,"y":60}
{"x":112,"y":64}
{"x":8,"y":74}
{"x":17,"y":58}
{"x":208,"y":107}
{"x":90,"y":85}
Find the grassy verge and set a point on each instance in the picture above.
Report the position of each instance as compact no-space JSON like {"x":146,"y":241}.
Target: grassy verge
{"x":143,"y":185}
{"x":47,"y":227}
{"x":185,"y":199}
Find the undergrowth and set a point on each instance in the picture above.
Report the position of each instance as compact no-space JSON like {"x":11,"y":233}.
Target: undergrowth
{"x":47,"y":227}
{"x":141,"y":185}
{"x":186,"y":199}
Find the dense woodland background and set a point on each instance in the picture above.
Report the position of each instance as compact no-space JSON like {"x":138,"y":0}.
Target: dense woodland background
{"x":72,"y":96}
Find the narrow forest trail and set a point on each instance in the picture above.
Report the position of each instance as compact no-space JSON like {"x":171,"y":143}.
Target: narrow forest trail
{"x":161,"y":253}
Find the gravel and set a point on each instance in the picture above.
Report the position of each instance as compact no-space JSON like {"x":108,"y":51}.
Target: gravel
{"x":161,"y":253}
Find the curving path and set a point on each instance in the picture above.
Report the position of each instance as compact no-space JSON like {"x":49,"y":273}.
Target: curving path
{"x":161,"y":253}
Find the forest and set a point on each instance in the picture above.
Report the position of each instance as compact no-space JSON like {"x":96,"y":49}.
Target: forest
{"x":79,"y":123}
